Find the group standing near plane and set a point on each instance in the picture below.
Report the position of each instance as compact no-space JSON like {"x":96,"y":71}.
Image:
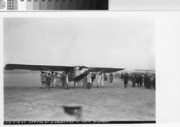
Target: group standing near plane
{"x":51,"y":76}
{"x":61,"y":80}
{"x":54,"y":79}
{"x":146,"y":79}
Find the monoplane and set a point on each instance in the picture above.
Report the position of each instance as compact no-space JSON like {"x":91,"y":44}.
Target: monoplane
{"x":73,"y":73}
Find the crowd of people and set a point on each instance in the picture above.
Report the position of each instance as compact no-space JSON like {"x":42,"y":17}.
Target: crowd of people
{"x":53,"y":79}
{"x":91,"y":77}
{"x":96,"y":79}
{"x":139,"y":79}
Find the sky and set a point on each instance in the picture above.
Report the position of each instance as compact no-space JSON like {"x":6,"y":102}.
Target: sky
{"x":123,"y":42}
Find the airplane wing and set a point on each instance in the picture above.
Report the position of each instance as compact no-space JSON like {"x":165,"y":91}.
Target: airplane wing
{"x":38,"y":67}
{"x":105,"y":70}
{"x":56,"y":68}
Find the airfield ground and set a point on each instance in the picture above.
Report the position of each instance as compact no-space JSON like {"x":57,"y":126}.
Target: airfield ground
{"x":23,"y":100}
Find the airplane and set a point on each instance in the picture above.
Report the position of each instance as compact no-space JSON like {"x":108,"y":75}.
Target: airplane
{"x":73,"y":73}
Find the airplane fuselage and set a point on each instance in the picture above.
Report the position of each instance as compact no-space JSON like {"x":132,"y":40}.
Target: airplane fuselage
{"x":77,"y":73}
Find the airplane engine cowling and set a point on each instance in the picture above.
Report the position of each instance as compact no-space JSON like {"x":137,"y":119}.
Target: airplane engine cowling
{"x":83,"y":70}
{"x":76,"y":71}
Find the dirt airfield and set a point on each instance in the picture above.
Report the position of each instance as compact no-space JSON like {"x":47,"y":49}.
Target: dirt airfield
{"x":24,"y":100}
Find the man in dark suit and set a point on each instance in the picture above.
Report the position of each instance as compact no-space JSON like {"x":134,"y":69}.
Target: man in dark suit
{"x":126,"y":78}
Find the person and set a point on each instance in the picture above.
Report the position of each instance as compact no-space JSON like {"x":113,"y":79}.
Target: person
{"x":145,"y":80}
{"x":102,"y":79}
{"x":98,"y":77}
{"x":44,"y":84}
{"x":52,"y":79}
{"x":105,"y":77}
{"x":111,"y":77}
{"x":58,"y":80}
{"x":55,"y":80}
{"x":133,"y":80}
{"x":139,"y":80}
{"x":126,"y":77}
{"x":48,"y":81}
{"x":93,"y":76}
{"x":65,"y":80}
{"x":89,"y":80}
{"x":41,"y":77}
{"x":148,"y":81}
{"x":122,"y":76}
